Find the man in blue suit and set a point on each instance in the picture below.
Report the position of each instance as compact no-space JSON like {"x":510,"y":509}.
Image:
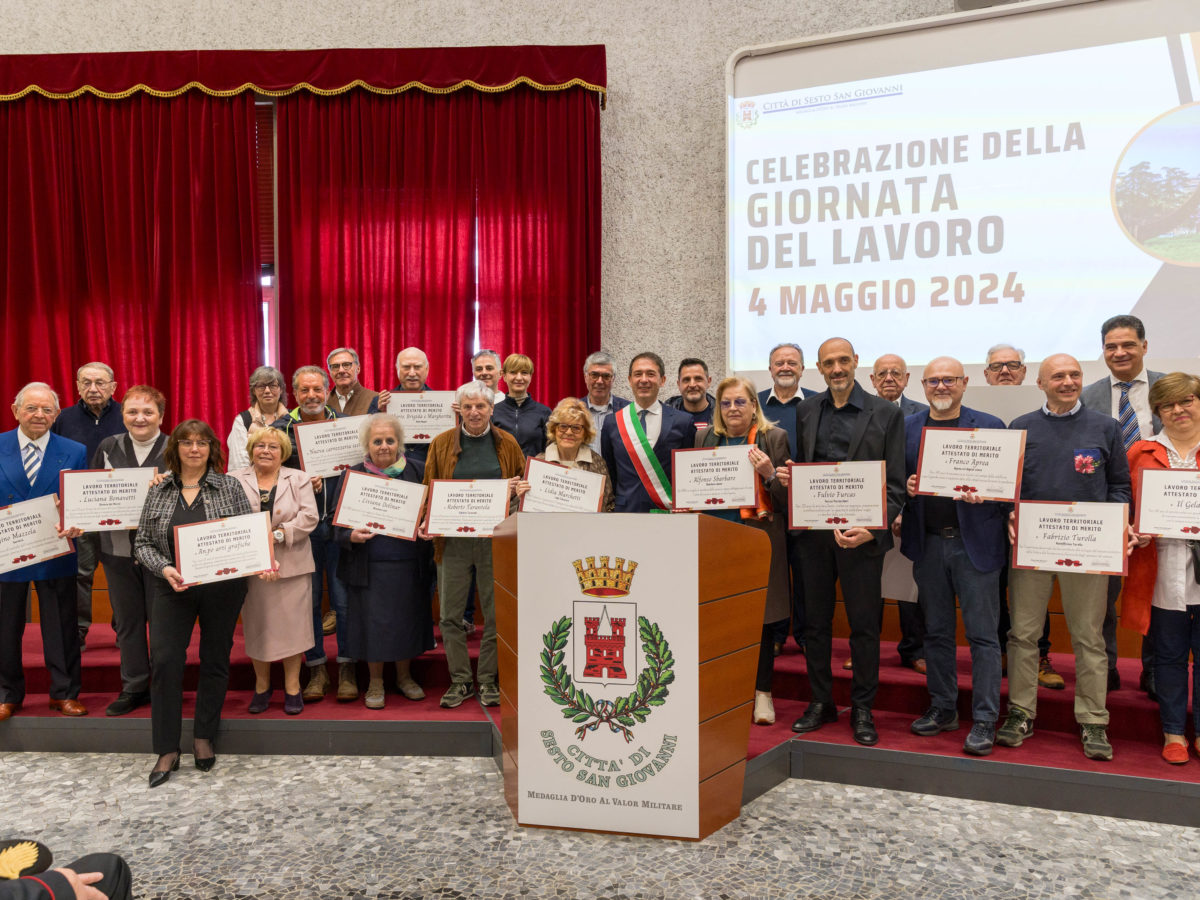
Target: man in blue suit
{"x":637,"y":441}
{"x":30,"y":460}
{"x":957,"y":549}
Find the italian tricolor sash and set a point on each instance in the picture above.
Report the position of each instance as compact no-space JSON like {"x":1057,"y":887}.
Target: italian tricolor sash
{"x":653,"y":478}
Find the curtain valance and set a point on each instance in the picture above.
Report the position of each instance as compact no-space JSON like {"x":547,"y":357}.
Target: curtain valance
{"x":224,"y":73}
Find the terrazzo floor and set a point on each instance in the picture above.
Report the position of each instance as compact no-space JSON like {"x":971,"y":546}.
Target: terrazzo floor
{"x":404,"y":827}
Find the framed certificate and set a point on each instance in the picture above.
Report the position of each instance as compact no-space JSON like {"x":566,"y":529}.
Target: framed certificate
{"x":221,"y":549}
{"x":388,"y":506}
{"x":1168,"y":503}
{"x":103,"y":499}
{"x":329,"y":447}
{"x":424,"y":414}
{"x":557,"y":488}
{"x":1071,"y":537}
{"x":468,"y":508}
{"x":705,"y":478}
{"x":986,"y":462}
{"x":28,"y":535}
{"x":840,"y":495}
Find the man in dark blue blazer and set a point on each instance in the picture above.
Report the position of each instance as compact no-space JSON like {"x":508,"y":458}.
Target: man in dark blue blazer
{"x":957,"y":548}
{"x":841,"y":424}
{"x":31,"y":450}
{"x":638,"y":441}
{"x":889,"y":377}
{"x":785,"y":363}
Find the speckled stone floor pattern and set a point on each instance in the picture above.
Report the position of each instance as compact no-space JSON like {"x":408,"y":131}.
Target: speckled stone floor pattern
{"x":400,"y":827}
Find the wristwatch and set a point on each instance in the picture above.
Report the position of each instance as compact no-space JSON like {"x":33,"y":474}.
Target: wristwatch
{"x":278,"y":535}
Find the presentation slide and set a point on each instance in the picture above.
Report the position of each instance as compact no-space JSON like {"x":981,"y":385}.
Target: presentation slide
{"x":1020,"y":200}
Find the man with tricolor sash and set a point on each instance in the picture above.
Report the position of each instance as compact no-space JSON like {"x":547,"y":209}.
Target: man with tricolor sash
{"x":636,"y":442}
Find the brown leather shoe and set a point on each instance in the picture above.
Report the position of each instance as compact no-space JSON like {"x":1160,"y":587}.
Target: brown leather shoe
{"x":318,"y":684}
{"x":347,"y":688}
{"x":69,"y":707}
{"x":8,"y":710}
{"x":919,"y":666}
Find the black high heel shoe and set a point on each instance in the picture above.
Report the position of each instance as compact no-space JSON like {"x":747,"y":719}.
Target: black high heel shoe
{"x":205,"y":763}
{"x":162,"y":776}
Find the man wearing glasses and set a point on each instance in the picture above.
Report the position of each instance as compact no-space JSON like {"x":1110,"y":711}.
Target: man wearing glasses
{"x":957,"y":549}
{"x":349,"y":397}
{"x":30,"y":459}
{"x":95,"y":417}
{"x":598,"y":370}
{"x":1005,"y":365}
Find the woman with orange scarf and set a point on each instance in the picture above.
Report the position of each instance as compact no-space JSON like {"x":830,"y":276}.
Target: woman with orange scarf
{"x":1162,"y":593}
{"x":738,"y":420}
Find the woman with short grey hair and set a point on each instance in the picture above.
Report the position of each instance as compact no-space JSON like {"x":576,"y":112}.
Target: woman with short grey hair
{"x":268,"y":401}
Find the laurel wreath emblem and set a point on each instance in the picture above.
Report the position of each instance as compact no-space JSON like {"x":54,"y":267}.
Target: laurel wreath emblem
{"x":623,"y":714}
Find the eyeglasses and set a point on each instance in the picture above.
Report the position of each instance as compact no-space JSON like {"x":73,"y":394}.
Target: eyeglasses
{"x":739,"y":402}
{"x":948,"y":381}
{"x":600,"y":376}
{"x":95,"y":384}
{"x":1012,"y":365}
{"x":1184,"y":404}
{"x":267,"y":387}
{"x":193,"y":445}
{"x":569,"y":429}
{"x":333,"y":367}
{"x":890,"y":373}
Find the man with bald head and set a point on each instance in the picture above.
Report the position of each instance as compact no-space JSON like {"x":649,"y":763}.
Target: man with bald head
{"x":846,"y":423}
{"x":890,"y":378}
{"x":1057,"y":437}
{"x":957,"y":549}
{"x":412,"y":368}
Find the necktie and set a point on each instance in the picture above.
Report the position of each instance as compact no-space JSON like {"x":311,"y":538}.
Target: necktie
{"x":1126,"y":416}
{"x":642,"y":419}
{"x":33,"y":461}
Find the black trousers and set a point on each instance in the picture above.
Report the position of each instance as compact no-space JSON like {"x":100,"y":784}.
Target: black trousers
{"x":860,"y":571}
{"x":60,"y":637}
{"x":129,"y":590}
{"x":172,"y":618}
{"x":117,"y":883}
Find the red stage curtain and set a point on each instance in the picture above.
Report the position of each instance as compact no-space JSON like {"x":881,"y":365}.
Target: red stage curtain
{"x":128,"y":236}
{"x":376,"y":230}
{"x":539,"y":233}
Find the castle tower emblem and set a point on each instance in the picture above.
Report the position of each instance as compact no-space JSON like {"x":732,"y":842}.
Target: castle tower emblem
{"x":605,"y":649}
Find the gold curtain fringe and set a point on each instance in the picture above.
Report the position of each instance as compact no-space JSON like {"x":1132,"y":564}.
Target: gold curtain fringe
{"x":305,"y":86}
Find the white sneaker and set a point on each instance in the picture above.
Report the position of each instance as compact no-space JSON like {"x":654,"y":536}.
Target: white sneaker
{"x":764,"y":708}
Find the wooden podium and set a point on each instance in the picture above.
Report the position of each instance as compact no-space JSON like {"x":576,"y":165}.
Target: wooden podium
{"x":703,"y":579}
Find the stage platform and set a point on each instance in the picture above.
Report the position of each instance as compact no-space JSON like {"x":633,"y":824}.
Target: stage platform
{"x":1048,"y":771}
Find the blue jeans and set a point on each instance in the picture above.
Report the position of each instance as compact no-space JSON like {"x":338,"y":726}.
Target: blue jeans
{"x":325,"y":552}
{"x":1175,"y":635}
{"x":944,"y":572}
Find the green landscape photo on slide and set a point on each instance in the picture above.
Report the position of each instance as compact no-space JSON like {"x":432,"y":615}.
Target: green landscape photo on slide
{"x":1156,"y":187}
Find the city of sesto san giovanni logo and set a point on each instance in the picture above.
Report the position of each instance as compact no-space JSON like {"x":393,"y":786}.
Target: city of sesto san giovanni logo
{"x":592,"y":647}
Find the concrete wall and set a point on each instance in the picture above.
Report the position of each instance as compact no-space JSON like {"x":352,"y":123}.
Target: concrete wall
{"x":663,"y":132}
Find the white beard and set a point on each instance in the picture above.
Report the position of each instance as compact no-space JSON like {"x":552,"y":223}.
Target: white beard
{"x":941,"y":405}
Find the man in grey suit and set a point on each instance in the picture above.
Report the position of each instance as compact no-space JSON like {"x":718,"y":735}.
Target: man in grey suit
{"x":1125,"y":395}
{"x":889,"y":378}
{"x":846,"y":423}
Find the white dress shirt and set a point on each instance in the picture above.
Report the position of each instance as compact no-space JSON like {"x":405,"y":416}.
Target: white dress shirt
{"x":1175,"y":588}
{"x":653,"y":420}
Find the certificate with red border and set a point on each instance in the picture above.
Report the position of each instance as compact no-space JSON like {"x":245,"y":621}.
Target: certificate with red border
{"x":1071,"y":537}
{"x":387,"y":506}
{"x":466,"y":508}
{"x":103,"y":499}
{"x":221,"y":549}
{"x":839,"y":495}
{"x":329,"y":447}
{"x":1168,"y":503}
{"x":704,"y":478}
{"x":28,"y":534}
{"x":557,"y":488}
{"x":424,"y":414}
{"x":984,"y":462}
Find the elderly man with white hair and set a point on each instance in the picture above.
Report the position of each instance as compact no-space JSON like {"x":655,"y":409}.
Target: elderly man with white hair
{"x":412,"y":370}
{"x":474,"y":449}
{"x":30,"y":459}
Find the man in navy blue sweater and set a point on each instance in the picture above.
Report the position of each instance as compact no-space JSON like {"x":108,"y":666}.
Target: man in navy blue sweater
{"x":1071,"y":454}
